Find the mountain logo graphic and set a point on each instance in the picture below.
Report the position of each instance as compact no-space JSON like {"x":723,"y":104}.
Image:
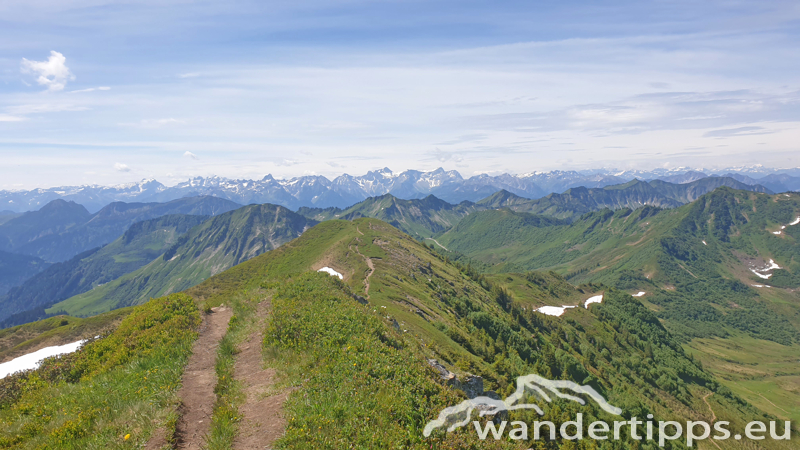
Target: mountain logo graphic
{"x":458,"y":416}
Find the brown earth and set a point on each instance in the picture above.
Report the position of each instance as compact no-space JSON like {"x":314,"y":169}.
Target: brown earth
{"x":199,"y":378}
{"x":262,"y":421}
{"x":371,"y":266}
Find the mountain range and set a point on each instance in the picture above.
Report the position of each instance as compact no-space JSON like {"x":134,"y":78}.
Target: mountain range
{"x":209,"y":248}
{"x":132,"y":267}
{"x":634,"y":194}
{"x":15,"y":269}
{"x":722,"y":273}
{"x":62,"y":229}
{"x":686,"y":310}
{"x":423,"y":218}
{"x":139,"y":245}
{"x":346,"y":190}
{"x":402,"y":335}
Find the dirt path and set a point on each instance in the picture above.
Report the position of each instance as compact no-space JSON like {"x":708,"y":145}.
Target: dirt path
{"x":199,"y":378}
{"x":437,"y":243}
{"x":690,"y":272}
{"x":773,"y":404}
{"x":713,"y":415}
{"x":371,"y":271}
{"x":262,"y":422}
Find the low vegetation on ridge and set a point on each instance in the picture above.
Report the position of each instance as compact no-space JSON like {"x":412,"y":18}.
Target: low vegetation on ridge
{"x":354,"y":355}
{"x":115,"y":392}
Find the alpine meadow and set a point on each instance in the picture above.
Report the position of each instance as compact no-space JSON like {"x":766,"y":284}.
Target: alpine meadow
{"x":355,"y":225}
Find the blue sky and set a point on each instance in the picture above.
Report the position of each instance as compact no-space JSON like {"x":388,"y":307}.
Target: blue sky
{"x":100,"y":91}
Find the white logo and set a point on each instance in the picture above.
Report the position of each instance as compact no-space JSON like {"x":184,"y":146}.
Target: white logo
{"x":458,"y":416}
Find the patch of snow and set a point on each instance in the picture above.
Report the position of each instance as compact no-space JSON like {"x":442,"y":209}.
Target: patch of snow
{"x":772,"y":265}
{"x":331,"y":272}
{"x":554,"y":310}
{"x":704,"y":243}
{"x":796,"y":221}
{"x":776,"y":232}
{"x":766,"y":277}
{"x":32,"y":360}
{"x":595,"y":299}
{"x":759,"y":285}
{"x":639,"y":294}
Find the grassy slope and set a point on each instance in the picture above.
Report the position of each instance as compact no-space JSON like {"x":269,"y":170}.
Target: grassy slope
{"x":143,"y":242}
{"x":58,"y":330}
{"x":764,"y":373}
{"x":463,"y":320}
{"x":349,"y":362}
{"x":207,"y":249}
{"x":702,"y":291}
{"x":61,"y":230}
{"x":421,"y":218}
{"x":115,"y":392}
{"x":517,"y":241}
{"x":634,"y":194}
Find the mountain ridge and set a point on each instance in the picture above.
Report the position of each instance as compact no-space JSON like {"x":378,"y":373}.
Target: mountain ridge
{"x":139,"y":245}
{"x":346,"y":190}
{"x":634,"y":194}
{"x":213,"y":246}
{"x":62,"y":229}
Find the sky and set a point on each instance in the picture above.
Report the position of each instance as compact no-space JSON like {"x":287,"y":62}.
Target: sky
{"x":108,"y":92}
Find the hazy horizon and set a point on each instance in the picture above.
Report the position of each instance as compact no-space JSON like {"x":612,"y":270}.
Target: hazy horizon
{"x":102,"y":92}
{"x":755,"y":171}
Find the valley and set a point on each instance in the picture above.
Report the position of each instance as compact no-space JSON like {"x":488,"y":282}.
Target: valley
{"x":661,"y":308}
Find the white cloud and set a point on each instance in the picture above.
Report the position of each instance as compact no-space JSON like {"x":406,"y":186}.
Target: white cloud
{"x":119,"y":167}
{"x":101,"y":88}
{"x":7,"y":118}
{"x":154,"y":123}
{"x":190,"y":155}
{"x":189,"y":75}
{"x":52,"y":73}
{"x":44,"y":108}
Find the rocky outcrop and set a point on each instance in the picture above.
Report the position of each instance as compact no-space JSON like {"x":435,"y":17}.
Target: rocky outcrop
{"x":472,"y":385}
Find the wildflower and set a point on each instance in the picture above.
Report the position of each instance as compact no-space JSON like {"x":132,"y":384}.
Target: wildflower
{"x":127,"y":436}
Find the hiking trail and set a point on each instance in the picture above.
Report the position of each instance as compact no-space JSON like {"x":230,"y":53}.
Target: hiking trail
{"x":371,"y":271}
{"x":262,"y":421}
{"x":713,"y":415}
{"x":199,"y":378}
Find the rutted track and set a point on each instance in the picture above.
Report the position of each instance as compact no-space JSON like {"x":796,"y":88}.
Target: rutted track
{"x":199,"y":378}
{"x":262,"y":421}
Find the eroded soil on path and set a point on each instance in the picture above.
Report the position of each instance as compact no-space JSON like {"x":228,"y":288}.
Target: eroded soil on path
{"x":371,"y":266}
{"x":199,"y":378}
{"x":262,"y":420}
